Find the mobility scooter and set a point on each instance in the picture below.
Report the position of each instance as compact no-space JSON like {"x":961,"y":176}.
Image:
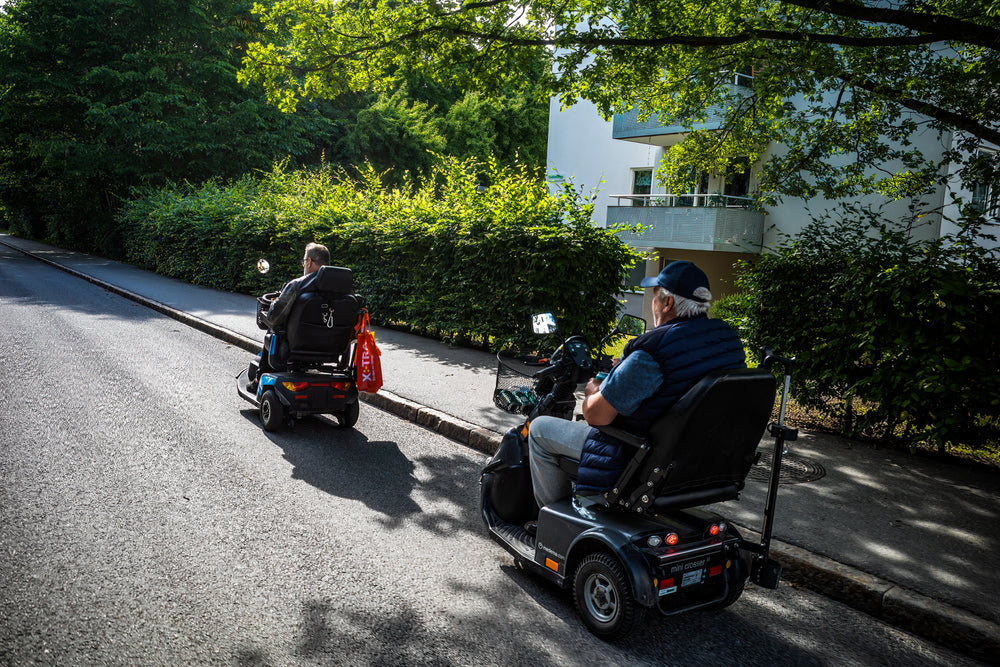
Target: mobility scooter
{"x":311,"y":360}
{"x":647,"y":543}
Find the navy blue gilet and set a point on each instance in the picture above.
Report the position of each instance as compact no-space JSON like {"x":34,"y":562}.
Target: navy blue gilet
{"x":686,"y":349}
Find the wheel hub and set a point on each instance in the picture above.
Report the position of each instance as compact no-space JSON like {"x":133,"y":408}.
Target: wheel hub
{"x":601,"y":598}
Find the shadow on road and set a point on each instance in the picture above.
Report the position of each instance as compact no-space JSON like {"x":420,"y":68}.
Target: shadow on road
{"x":346,"y":464}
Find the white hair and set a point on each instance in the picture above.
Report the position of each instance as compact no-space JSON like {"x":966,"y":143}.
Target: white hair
{"x":685,"y":307}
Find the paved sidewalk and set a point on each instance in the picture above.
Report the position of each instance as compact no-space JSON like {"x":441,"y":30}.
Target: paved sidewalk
{"x":911,"y":541}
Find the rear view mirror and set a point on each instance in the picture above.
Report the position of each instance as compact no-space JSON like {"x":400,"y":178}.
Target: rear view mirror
{"x":543,"y":324}
{"x":263,"y":266}
{"x":631,"y":325}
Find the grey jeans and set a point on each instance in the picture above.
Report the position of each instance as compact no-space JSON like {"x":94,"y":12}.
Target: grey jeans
{"x":548,"y":439}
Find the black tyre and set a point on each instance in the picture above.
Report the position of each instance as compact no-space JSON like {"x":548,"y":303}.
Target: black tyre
{"x":604,"y":598}
{"x":349,"y":417}
{"x":272,"y":412}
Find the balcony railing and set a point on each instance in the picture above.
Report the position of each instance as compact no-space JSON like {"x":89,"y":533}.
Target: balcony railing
{"x":690,"y":222}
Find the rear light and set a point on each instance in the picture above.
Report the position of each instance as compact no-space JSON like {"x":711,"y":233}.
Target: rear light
{"x":654,"y":541}
{"x":672,"y":539}
{"x":713,"y":529}
{"x":294,"y":386}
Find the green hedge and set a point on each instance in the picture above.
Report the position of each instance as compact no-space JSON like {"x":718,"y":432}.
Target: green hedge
{"x":895,"y":336}
{"x":446,"y":256}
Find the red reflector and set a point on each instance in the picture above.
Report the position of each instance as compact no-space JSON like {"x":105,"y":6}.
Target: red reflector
{"x":321,"y":384}
{"x":301,"y":397}
{"x":667,"y":583}
{"x":715,"y":570}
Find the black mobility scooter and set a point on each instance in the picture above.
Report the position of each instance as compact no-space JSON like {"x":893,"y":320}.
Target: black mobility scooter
{"x":647,"y":543}
{"x":310,"y":363}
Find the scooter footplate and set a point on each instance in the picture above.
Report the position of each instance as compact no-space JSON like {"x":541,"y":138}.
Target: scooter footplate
{"x":516,"y":538}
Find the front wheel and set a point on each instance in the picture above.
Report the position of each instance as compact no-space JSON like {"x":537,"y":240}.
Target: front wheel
{"x":603,"y":597}
{"x":272,"y":412}
{"x":349,"y":417}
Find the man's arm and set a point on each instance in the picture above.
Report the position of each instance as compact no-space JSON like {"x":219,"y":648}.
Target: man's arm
{"x":596,"y":409}
{"x":278,"y":311}
{"x":631,"y":382}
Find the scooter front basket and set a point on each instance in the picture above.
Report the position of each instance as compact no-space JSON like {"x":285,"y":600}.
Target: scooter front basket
{"x":514,"y":392}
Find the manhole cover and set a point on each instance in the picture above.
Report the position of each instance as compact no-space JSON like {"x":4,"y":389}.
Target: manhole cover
{"x":794,"y":470}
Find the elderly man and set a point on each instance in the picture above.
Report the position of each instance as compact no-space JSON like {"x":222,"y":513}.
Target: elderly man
{"x":656,"y":369}
{"x":315,"y":256}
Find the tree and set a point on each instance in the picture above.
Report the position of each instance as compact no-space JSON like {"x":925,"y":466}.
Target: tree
{"x":102,"y":96}
{"x":831,"y":78}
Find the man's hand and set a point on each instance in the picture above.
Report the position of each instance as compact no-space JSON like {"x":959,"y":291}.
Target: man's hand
{"x":596,"y":410}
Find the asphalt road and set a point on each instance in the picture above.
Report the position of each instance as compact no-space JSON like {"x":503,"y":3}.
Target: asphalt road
{"x":145,"y":518}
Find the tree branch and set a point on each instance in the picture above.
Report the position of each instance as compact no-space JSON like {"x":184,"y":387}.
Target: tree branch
{"x":942,"y":26}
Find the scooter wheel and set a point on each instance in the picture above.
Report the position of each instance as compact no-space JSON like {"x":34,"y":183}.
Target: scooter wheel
{"x":272,"y":412}
{"x":603,"y":597}
{"x":349,"y":417}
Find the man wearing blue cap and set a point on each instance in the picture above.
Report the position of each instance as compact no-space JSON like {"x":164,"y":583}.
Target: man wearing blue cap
{"x":656,"y":369}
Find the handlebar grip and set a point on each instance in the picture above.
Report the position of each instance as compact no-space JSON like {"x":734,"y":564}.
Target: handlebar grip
{"x":770,"y":358}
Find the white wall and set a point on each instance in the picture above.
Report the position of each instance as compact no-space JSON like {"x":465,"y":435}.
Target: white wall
{"x":581,"y":150}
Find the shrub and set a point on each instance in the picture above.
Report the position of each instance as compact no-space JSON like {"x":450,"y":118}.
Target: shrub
{"x":445,"y":255}
{"x":899,"y":333}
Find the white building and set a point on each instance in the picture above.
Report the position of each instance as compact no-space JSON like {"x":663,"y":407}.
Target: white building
{"x":714,"y":226}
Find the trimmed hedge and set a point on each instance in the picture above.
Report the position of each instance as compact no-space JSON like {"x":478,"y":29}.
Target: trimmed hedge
{"x":894,"y":336}
{"x":443,"y":256}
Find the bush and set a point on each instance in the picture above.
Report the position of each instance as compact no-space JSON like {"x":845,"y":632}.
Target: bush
{"x":441,"y":256}
{"x":893,"y":335}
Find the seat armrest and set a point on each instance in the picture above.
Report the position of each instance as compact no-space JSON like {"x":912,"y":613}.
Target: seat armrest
{"x":626,"y":437}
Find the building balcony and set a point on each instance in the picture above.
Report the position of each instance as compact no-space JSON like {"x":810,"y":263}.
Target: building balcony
{"x":689,"y":222}
{"x":627,"y":126}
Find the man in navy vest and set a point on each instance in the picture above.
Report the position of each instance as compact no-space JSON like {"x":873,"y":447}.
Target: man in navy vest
{"x":655,"y":370}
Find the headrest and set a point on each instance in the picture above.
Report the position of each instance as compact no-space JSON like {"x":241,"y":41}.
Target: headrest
{"x":333,"y":279}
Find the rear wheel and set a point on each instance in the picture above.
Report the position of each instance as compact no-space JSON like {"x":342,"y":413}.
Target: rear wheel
{"x":603,"y":597}
{"x":272,"y":412}
{"x":349,"y":417}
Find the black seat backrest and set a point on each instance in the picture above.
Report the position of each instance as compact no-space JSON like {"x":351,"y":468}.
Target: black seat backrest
{"x":322,"y":319}
{"x":702,"y":449}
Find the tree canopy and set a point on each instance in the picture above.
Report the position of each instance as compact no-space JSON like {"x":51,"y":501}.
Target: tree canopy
{"x":845,"y":86}
{"x":102,"y":96}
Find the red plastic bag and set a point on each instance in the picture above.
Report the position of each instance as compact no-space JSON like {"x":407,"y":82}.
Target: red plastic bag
{"x":367,"y":364}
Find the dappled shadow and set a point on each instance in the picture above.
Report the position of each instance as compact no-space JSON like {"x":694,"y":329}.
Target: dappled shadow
{"x":497,"y":628}
{"x":914,"y":522}
{"x":455,"y":481}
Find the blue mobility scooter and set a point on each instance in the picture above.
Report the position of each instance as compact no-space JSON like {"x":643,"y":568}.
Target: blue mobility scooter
{"x":647,"y":543}
{"x":310,"y":363}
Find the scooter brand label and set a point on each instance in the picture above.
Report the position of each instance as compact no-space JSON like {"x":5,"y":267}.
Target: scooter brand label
{"x":691,"y":565}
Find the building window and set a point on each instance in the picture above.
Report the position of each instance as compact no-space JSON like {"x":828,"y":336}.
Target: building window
{"x":737,"y":183}
{"x":642,"y":184}
{"x":985,"y":193}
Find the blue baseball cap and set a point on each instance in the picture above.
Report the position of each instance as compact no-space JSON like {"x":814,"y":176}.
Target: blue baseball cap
{"x":680,"y":278}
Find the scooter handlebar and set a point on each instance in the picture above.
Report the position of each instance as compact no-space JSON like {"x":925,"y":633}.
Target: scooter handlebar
{"x":770,"y":358}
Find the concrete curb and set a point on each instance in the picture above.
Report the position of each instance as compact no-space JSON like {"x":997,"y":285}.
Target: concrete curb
{"x":950,"y":626}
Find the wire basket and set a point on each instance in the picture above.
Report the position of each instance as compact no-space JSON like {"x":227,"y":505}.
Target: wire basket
{"x":514,"y":392}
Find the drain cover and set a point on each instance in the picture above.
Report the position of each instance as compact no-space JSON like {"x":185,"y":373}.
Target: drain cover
{"x":794,"y":469}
